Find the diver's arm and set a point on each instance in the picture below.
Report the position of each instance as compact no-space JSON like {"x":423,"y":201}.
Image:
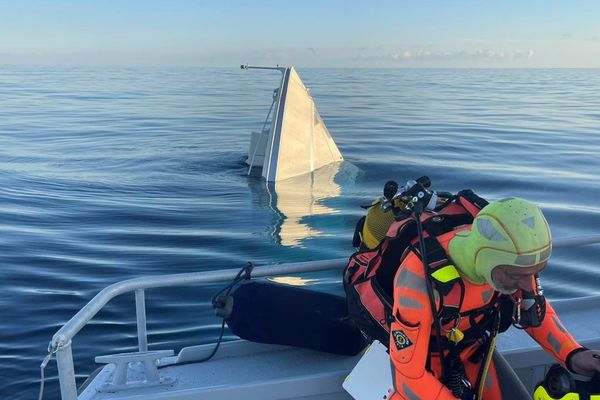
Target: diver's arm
{"x":554,"y":337}
{"x":409,"y":339}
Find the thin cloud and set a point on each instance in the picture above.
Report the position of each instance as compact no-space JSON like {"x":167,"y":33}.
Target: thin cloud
{"x":481,"y":54}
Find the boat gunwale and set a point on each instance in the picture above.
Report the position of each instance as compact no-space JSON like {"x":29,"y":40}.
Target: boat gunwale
{"x":62,"y":339}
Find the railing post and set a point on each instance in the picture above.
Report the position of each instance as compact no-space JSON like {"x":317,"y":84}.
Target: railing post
{"x":66,"y":372}
{"x":140,"y":312}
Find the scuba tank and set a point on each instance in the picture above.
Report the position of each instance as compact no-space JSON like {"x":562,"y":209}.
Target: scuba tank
{"x":559,"y":384}
{"x":393,"y":206}
{"x":372,"y":228}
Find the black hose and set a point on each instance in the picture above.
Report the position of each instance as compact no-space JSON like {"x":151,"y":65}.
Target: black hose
{"x":436,"y":321}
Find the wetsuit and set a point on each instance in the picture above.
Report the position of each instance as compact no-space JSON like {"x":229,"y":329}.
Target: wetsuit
{"x":417,"y":378}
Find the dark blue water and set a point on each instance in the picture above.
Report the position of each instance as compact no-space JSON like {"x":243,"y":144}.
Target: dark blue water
{"x":109,"y":174}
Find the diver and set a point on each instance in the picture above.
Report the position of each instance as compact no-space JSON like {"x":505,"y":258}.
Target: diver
{"x":454,"y":292}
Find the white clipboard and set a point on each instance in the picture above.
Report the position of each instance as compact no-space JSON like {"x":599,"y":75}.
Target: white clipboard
{"x":371,"y":378}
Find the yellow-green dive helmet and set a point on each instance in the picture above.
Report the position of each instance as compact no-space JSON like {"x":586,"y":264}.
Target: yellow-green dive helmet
{"x":511,"y":231}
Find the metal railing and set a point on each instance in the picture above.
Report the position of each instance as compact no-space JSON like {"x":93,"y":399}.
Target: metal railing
{"x":61,"y":341}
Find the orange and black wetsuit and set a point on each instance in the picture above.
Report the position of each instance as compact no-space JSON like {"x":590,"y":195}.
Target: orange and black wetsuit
{"x":412,"y":331}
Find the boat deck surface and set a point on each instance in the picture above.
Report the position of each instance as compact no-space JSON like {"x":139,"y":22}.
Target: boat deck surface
{"x":242,"y":369}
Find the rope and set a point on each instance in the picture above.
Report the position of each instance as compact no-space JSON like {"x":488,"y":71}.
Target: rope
{"x":246,"y":271}
{"x":51,"y":352}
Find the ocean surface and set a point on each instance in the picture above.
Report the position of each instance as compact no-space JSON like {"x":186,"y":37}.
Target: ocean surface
{"x":113,"y":173}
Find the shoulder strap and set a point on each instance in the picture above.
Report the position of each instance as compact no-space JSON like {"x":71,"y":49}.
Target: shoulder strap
{"x":446,"y":279}
{"x":470,"y":201}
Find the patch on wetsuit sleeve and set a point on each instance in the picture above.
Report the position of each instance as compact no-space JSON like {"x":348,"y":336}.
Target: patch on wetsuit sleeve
{"x":401,"y":340}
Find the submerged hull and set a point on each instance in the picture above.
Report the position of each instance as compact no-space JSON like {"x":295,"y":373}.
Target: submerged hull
{"x":294,"y":139}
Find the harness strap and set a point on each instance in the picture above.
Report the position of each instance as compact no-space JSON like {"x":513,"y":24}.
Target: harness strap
{"x":446,"y":279}
{"x":448,"y":282}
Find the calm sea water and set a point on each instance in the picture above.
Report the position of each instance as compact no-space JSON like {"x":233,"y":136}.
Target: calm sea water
{"x":109,"y":174}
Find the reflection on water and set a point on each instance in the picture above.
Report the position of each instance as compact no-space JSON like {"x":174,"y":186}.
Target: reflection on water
{"x":293,"y":200}
{"x":292,"y":280}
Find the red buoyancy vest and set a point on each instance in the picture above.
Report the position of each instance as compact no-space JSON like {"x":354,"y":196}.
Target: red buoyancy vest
{"x":368,"y":277}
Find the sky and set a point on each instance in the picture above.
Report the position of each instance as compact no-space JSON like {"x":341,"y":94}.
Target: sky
{"x":325,"y":33}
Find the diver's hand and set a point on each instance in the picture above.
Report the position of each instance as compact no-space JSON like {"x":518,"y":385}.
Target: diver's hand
{"x":586,"y":362}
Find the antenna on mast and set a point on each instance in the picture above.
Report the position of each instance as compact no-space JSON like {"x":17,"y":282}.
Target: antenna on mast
{"x":278,"y":68}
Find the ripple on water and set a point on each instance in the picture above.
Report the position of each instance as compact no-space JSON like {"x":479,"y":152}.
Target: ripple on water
{"x":109,"y":174}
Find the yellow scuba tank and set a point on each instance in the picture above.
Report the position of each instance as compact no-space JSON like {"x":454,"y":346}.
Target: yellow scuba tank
{"x":560,"y":385}
{"x":377,"y":222}
{"x":383,"y":211}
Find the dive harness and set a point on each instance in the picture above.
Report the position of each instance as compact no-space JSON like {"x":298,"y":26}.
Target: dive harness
{"x":452,"y":369}
{"x":528,"y":310}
